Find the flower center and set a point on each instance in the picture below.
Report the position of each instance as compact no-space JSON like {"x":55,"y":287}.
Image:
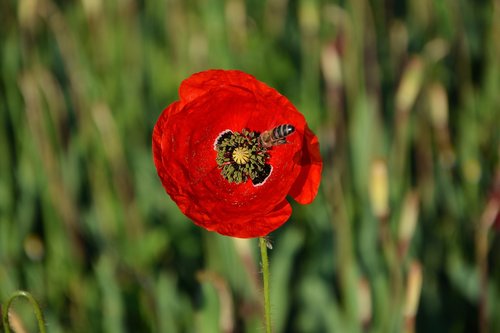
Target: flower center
{"x":240,"y":156}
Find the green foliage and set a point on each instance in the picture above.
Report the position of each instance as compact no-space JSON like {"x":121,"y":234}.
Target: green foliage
{"x":404,"y":97}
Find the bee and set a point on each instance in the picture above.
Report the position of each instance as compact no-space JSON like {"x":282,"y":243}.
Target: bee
{"x":268,"y":242}
{"x":276,"y":136}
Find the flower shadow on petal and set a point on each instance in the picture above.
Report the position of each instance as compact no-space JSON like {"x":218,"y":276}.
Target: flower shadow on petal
{"x":305,"y":187}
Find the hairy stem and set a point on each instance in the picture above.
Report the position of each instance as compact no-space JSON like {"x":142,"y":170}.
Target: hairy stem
{"x":265,"y":279}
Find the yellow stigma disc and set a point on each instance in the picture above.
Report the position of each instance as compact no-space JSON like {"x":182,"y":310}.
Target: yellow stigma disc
{"x":241,"y":155}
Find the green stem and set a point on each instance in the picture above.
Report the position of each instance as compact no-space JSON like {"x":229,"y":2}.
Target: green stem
{"x":265,"y":279}
{"x":36,"y":309}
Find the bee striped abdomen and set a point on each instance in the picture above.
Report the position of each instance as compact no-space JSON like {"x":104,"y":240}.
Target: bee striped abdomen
{"x":276,"y":136}
{"x":282,"y":131}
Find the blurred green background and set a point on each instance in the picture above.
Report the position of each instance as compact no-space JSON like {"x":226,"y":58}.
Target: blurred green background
{"x":404,"y":96}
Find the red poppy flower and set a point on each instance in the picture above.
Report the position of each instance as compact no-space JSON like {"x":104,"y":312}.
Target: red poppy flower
{"x":219,"y":159}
